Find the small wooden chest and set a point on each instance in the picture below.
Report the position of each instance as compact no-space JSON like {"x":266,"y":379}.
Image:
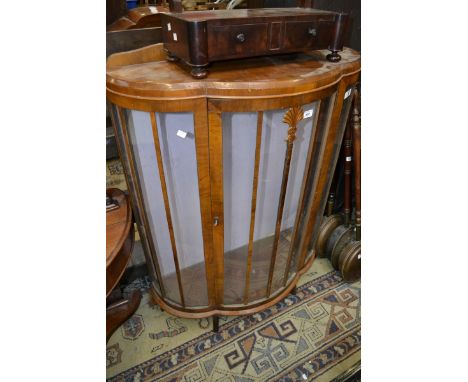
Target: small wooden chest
{"x":198,"y":38}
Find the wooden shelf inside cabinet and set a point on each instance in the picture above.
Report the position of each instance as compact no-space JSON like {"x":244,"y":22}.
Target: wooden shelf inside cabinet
{"x":228,"y":175}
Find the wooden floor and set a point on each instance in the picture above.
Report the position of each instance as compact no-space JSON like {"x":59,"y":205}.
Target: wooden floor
{"x":235,"y":269}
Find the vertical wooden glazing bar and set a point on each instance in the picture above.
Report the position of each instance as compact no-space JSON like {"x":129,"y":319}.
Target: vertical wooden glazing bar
{"x":292,"y":118}
{"x":167,"y":208}
{"x":258,"y":144}
{"x":302,"y":196}
{"x":137,"y":209}
{"x":203,"y":165}
{"x":139,"y":197}
{"x":217,"y":207}
{"x":326,"y":159}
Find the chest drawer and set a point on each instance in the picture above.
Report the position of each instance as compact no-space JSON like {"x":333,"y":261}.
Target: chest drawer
{"x":241,"y":40}
{"x":307,"y":34}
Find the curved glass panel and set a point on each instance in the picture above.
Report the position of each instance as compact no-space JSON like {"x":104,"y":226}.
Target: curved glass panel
{"x":293,"y":192}
{"x":336,"y":151}
{"x":178,"y":151}
{"x":239,"y":136}
{"x":171,"y":200}
{"x":258,"y":167}
{"x":144,"y":153}
{"x":322,"y":123}
{"x":132,"y":187}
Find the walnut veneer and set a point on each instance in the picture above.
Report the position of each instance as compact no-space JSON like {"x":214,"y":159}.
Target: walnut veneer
{"x":228,"y":175}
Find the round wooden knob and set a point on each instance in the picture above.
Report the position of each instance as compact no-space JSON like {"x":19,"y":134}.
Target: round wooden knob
{"x":240,"y":37}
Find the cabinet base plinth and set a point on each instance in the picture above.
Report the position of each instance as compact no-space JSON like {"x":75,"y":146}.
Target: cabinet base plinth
{"x":186,"y":312}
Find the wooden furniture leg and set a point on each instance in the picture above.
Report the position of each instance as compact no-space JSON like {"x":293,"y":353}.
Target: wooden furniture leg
{"x":120,"y":311}
{"x":216,"y":324}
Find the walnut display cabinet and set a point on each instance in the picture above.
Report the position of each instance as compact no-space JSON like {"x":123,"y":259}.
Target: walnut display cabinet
{"x":228,"y":176}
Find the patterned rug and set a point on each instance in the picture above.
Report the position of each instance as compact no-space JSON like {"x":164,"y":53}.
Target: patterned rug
{"x":314,"y":335}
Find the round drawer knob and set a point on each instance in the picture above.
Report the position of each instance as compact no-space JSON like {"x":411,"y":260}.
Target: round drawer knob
{"x":240,"y":37}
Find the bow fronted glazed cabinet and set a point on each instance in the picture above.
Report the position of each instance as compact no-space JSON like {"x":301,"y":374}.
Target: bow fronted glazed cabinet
{"x":228,"y":176}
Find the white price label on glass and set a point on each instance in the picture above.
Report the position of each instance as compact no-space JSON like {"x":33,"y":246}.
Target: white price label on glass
{"x":153,"y":9}
{"x":181,"y":133}
{"x":174,"y":35}
{"x":348,"y":159}
{"x":347,"y":94}
{"x":308,"y":113}
{"x":359,"y":257}
{"x":168,"y":26}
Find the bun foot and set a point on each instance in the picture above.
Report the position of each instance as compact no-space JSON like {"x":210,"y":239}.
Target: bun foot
{"x":333,"y":57}
{"x":199,"y":73}
{"x":172,"y":58}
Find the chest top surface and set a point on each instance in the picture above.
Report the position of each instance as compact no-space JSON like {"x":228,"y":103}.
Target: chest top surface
{"x":224,"y":14}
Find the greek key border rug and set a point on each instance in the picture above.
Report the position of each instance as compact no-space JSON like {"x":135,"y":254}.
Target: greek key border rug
{"x":314,"y":335}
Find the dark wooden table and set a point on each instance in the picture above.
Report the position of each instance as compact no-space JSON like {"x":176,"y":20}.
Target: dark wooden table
{"x":120,"y":237}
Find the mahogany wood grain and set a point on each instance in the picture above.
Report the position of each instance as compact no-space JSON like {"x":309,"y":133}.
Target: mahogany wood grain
{"x":119,"y":239}
{"x":122,"y":41}
{"x":200,"y":38}
{"x":138,"y":18}
{"x":119,"y":244}
{"x":121,"y":311}
{"x":167,"y":208}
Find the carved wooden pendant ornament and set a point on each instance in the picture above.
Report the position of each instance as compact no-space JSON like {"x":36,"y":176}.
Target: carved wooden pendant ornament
{"x":292,"y":117}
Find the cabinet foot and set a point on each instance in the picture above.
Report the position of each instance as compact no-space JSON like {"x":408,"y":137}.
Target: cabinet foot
{"x":216,"y":324}
{"x":333,"y":56}
{"x":171,"y":58}
{"x":199,"y":73}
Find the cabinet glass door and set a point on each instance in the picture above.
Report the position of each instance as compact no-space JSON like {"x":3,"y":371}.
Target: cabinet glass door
{"x":163,"y":153}
{"x":267,"y":156}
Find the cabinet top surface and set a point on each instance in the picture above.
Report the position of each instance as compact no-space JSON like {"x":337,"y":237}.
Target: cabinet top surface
{"x":145,"y":73}
{"x":248,"y":13}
